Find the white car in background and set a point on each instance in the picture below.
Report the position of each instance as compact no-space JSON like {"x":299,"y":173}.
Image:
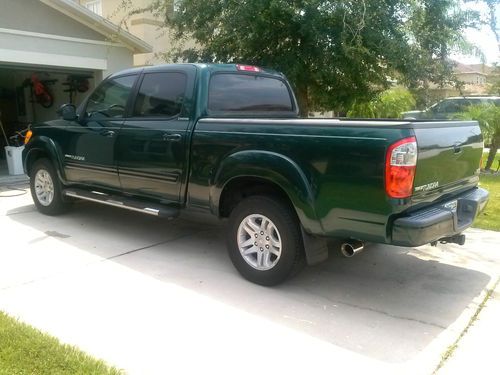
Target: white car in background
{"x":449,"y":107}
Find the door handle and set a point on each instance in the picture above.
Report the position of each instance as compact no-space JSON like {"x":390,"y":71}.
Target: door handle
{"x":172,"y":137}
{"x":107,"y":133}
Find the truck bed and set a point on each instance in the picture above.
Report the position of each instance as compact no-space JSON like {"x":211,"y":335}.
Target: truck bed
{"x":342,"y":162}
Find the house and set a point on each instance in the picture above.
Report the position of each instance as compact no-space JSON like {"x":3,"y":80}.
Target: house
{"x":474,"y":77}
{"x":143,"y":25}
{"x":61,"y":45}
{"x":475,"y":80}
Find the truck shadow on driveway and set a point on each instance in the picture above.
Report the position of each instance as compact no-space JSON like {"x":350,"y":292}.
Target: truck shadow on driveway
{"x":384,"y":303}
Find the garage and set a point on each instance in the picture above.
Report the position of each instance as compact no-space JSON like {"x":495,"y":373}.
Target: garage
{"x":30,"y":95}
{"x":53,"y":58}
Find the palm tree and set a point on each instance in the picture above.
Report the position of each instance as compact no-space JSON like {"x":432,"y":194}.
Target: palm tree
{"x":488,"y":116}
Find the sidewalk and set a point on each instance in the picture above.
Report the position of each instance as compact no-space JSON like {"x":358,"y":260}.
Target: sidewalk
{"x":477,"y":351}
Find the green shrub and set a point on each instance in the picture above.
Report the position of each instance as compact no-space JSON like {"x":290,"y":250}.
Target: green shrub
{"x":388,"y":104}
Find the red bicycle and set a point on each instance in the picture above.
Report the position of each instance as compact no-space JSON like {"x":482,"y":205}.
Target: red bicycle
{"x":42,"y":94}
{"x":39,"y":90}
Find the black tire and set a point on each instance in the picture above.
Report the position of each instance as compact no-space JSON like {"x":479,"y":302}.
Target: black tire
{"x":281,"y":215}
{"x":55,"y":206}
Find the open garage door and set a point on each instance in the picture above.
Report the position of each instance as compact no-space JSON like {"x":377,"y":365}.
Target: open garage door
{"x":33,"y":94}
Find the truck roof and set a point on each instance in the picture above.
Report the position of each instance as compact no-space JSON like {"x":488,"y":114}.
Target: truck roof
{"x":202,"y":66}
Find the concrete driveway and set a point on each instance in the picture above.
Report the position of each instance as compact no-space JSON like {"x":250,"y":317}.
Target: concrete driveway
{"x":155,"y":296}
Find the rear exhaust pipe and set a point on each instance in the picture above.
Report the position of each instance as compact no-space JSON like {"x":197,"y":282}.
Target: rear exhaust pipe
{"x":351,"y":247}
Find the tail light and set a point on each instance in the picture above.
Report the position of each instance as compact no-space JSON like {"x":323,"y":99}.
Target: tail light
{"x":400,"y":166}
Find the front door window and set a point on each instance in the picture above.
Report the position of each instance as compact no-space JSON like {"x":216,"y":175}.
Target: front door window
{"x":110,"y":98}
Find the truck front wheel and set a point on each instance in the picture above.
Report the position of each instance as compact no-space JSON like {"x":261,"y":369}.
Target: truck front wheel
{"x":46,"y":188}
{"x":264,"y":240}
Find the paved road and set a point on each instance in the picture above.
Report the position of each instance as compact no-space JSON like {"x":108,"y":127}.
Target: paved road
{"x":158,"y":296}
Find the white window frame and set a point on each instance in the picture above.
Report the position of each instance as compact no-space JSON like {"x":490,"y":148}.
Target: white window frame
{"x":94,"y":6}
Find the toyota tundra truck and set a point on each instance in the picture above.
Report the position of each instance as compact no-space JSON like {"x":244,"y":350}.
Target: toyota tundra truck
{"x":227,"y":141}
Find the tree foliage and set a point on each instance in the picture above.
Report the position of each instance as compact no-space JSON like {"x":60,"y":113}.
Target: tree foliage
{"x":333,"y":52}
{"x":388,"y":104}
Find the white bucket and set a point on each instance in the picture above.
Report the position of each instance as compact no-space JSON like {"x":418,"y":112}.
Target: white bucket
{"x":14,"y":159}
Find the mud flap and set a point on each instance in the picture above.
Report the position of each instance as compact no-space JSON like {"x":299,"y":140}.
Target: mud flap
{"x":316,"y":248}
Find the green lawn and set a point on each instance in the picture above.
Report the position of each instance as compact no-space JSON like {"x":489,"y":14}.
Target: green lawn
{"x":25,"y":350}
{"x":495,"y":162}
{"x":490,"y":218}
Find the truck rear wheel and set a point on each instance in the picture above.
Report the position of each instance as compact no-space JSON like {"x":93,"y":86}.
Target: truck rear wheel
{"x":46,"y":188}
{"x":264,"y":240}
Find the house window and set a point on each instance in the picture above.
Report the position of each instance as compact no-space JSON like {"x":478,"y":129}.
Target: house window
{"x":94,"y":6}
{"x":174,"y":8}
{"x":176,"y":5}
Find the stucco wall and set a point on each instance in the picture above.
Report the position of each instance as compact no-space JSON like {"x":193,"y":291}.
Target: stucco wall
{"x":32,"y":15}
{"x":472,"y":78}
{"x":118,"y":59}
{"x":31,"y":49}
{"x":143,"y":25}
{"x":55,"y":40}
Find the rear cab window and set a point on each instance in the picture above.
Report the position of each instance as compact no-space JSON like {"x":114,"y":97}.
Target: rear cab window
{"x":240,"y":94}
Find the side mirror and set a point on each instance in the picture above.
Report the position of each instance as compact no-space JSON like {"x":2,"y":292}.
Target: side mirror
{"x":68,"y":112}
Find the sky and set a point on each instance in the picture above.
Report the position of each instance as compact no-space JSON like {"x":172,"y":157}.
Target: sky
{"x":484,"y":39}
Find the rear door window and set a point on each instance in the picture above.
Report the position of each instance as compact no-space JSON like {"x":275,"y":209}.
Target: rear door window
{"x":248,"y":93}
{"x":161,"y":95}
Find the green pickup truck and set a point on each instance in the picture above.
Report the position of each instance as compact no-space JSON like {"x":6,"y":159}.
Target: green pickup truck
{"x":227,"y":141}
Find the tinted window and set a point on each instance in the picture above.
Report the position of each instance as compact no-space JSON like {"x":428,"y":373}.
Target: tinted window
{"x":445,"y":106}
{"x":475,"y":102}
{"x":488,"y":101}
{"x":160,"y":94}
{"x":110,"y":98}
{"x":461,"y":105}
{"x":248,"y":93}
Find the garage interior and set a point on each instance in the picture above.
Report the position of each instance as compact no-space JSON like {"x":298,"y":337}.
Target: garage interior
{"x":56,"y":58}
{"x":31,"y":94}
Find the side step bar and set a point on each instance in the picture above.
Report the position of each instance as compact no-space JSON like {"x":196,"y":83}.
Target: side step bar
{"x":122,"y":202}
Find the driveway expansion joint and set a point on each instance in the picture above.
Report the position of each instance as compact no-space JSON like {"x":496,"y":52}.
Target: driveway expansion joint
{"x":48,"y":277}
{"x":391,"y":315}
{"x":149,"y":246}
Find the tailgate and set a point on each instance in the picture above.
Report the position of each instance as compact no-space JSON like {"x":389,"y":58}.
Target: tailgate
{"x":449,"y":154}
